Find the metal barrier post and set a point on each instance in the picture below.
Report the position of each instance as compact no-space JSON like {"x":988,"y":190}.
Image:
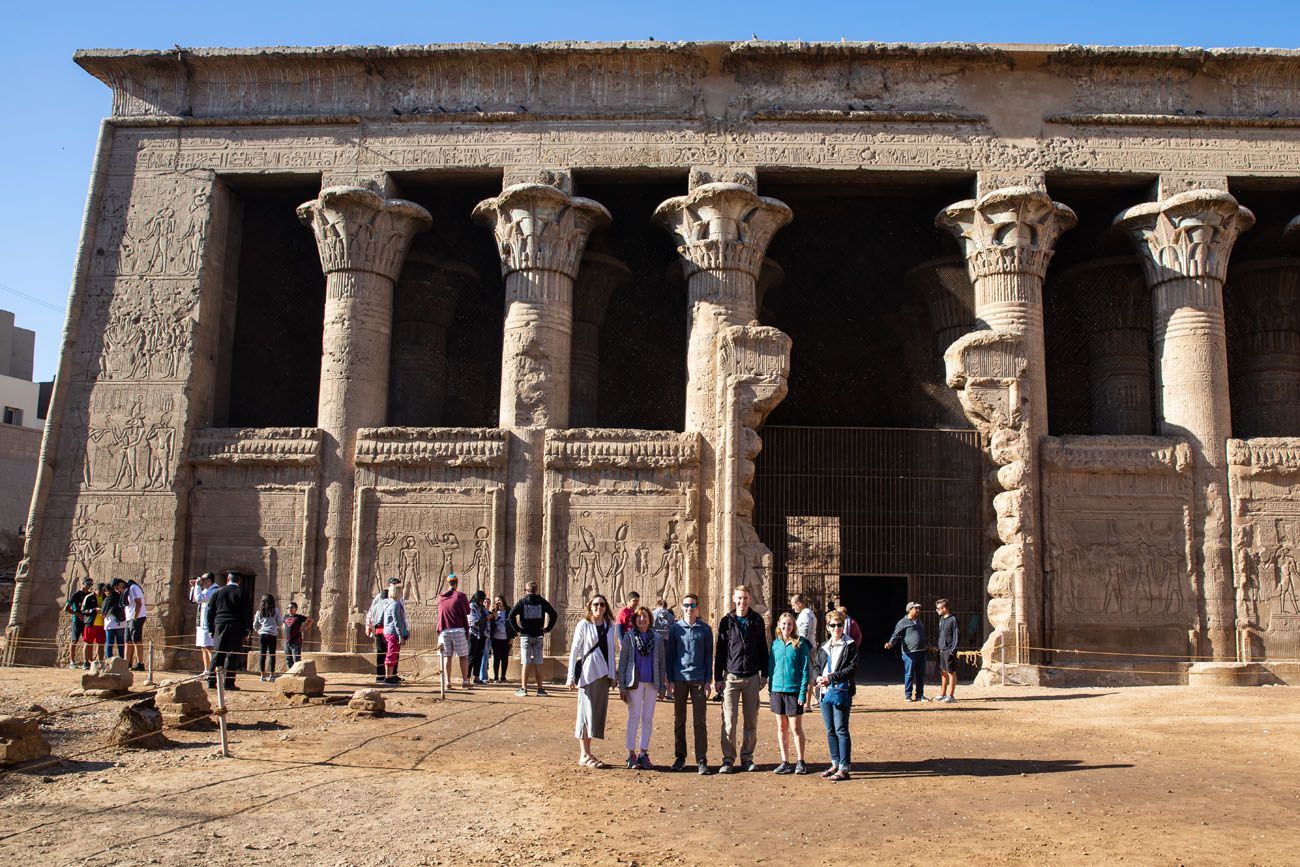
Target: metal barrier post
{"x":149,"y":681}
{"x":221,"y":709}
{"x":1002,"y":656}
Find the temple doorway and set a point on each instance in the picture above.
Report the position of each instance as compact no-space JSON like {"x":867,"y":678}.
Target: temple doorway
{"x":876,"y":603}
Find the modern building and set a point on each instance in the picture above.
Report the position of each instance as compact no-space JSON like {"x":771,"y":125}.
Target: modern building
{"x":1014,"y":325}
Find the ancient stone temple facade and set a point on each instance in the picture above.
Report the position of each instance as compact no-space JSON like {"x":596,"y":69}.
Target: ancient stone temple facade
{"x":524,"y":312}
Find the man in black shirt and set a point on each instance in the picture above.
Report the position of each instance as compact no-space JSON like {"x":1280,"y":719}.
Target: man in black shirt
{"x":740,"y":664}
{"x":73,"y":607}
{"x":227,"y":625}
{"x":949,"y":634}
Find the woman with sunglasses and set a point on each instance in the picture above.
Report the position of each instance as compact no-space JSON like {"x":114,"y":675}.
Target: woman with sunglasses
{"x":835,"y":667}
{"x":591,"y":671}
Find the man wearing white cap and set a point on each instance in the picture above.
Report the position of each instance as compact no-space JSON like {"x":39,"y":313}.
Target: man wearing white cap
{"x":912,"y":633}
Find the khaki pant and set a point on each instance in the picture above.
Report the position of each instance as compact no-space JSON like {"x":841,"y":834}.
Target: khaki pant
{"x":694,"y":691}
{"x":740,"y":691}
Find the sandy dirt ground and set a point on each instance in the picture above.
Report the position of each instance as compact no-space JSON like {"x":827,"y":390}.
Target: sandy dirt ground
{"x":1151,"y":775}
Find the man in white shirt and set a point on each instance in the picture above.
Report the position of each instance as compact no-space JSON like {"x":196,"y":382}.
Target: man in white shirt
{"x":805,"y":623}
{"x":135,"y":616}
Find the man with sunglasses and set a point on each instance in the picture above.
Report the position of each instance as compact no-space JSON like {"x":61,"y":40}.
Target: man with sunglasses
{"x":690,"y":652}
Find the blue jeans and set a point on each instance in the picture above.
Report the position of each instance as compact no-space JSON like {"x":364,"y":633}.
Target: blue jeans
{"x":836,"y":719}
{"x":914,"y":673}
{"x":483,"y":666}
{"x":292,"y":653}
{"x":118,"y":637}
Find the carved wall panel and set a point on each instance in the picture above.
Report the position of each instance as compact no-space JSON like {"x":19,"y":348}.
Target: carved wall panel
{"x":422,"y":534}
{"x":263,"y":529}
{"x":621,"y":514}
{"x":1120,"y":573}
{"x":1264,"y":484}
{"x":813,"y":548}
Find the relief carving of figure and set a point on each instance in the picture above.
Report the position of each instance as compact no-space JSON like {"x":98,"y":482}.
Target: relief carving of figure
{"x":481,"y":564}
{"x":642,"y":560}
{"x":381,"y":566}
{"x":588,"y":572}
{"x":82,"y":553}
{"x":618,"y":563}
{"x":1286,"y":580}
{"x":448,"y":544}
{"x":672,"y":566}
{"x":128,"y":441}
{"x":408,"y":570}
{"x":161,"y":441}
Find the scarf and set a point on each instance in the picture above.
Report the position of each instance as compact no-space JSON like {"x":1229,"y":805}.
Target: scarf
{"x":644,"y":641}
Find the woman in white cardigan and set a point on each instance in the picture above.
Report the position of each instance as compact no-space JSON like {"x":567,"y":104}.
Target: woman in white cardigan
{"x":591,"y":671}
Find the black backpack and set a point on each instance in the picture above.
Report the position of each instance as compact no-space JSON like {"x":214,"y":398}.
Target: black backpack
{"x":113,"y":606}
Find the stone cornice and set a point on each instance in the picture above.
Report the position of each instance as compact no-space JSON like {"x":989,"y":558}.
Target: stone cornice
{"x":591,"y":448}
{"x":881,"y":81}
{"x":1116,"y":454}
{"x":272,"y":446}
{"x":1265,"y":454}
{"x":431,"y":446}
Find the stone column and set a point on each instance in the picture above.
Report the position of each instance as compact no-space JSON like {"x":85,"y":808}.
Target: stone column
{"x":1184,"y":243}
{"x":722,"y":230}
{"x":944,"y":286}
{"x":599,"y":278}
{"x":1115,"y":306}
{"x":423,"y":307}
{"x":1264,"y":324}
{"x":541,"y":231}
{"x":1008,"y":236}
{"x":362,"y":239}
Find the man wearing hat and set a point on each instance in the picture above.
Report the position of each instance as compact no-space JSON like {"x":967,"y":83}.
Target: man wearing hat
{"x":375,"y":629}
{"x":912,"y":632}
{"x":453,"y":628}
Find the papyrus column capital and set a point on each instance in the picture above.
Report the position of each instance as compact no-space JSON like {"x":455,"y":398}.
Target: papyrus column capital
{"x":1187,"y":235}
{"x":539,"y":227}
{"x":1008,"y":231}
{"x":723,"y":227}
{"x":359,"y":230}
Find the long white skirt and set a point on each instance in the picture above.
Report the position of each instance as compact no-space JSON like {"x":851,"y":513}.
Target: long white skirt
{"x":202,"y":638}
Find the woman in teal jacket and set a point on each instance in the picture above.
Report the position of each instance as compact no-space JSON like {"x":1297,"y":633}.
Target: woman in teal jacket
{"x":788,"y":686}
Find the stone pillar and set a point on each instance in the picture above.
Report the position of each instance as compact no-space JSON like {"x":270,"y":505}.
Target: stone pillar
{"x":722,"y":228}
{"x":362,"y":239}
{"x":1008,"y":236}
{"x":1184,"y":243}
{"x":944,"y":286}
{"x":541,"y":231}
{"x":423,"y":307}
{"x":1111,"y":297}
{"x":1264,"y":328}
{"x":599,"y":278}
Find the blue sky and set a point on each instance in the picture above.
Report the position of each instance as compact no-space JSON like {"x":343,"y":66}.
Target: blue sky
{"x":53,"y":109}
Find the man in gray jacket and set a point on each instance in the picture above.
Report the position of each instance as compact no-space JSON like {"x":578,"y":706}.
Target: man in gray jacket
{"x":911,"y":631}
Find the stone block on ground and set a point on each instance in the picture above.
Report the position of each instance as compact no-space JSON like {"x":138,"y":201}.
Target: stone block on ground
{"x":183,"y":702}
{"x":301,"y":679}
{"x":139,"y":726}
{"x":21,"y":740}
{"x":112,"y":675}
{"x":367,"y":701}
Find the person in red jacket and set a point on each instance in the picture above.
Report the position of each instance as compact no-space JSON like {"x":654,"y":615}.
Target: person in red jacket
{"x":453,"y":629}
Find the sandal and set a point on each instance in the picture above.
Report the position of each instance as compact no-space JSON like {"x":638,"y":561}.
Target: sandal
{"x":594,"y":763}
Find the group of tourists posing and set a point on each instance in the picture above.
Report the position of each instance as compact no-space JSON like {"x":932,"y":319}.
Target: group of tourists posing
{"x":685,"y":659}
{"x":221,"y":628}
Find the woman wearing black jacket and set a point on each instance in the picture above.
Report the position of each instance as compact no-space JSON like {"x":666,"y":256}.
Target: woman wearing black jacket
{"x":835,"y":668}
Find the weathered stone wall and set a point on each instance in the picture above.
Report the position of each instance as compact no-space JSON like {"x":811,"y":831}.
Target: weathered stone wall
{"x":19,"y":449}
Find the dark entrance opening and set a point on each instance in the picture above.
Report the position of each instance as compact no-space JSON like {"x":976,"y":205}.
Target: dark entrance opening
{"x":875,"y":602}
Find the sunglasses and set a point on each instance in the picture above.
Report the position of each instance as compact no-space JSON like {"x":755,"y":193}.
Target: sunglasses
{"x":598,"y":605}
{"x":690,"y":605}
{"x":834,"y":625}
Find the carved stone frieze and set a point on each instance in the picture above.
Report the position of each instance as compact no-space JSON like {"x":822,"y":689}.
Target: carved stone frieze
{"x":447,"y":447}
{"x":621,"y":449}
{"x":273,"y":446}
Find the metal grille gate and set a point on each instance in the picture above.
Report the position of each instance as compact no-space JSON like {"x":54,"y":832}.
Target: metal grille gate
{"x":845,"y":510}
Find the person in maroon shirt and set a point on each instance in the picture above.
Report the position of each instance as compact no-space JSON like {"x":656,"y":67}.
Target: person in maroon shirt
{"x":294,"y":623}
{"x":626,"y":617}
{"x":453,"y":629}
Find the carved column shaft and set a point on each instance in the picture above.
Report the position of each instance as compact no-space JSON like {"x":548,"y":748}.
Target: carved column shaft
{"x":541,"y":232}
{"x":722,"y":231}
{"x":362,"y":239}
{"x":1184,"y":243}
{"x":1264,"y":298}
{"x":1008,"y":236}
